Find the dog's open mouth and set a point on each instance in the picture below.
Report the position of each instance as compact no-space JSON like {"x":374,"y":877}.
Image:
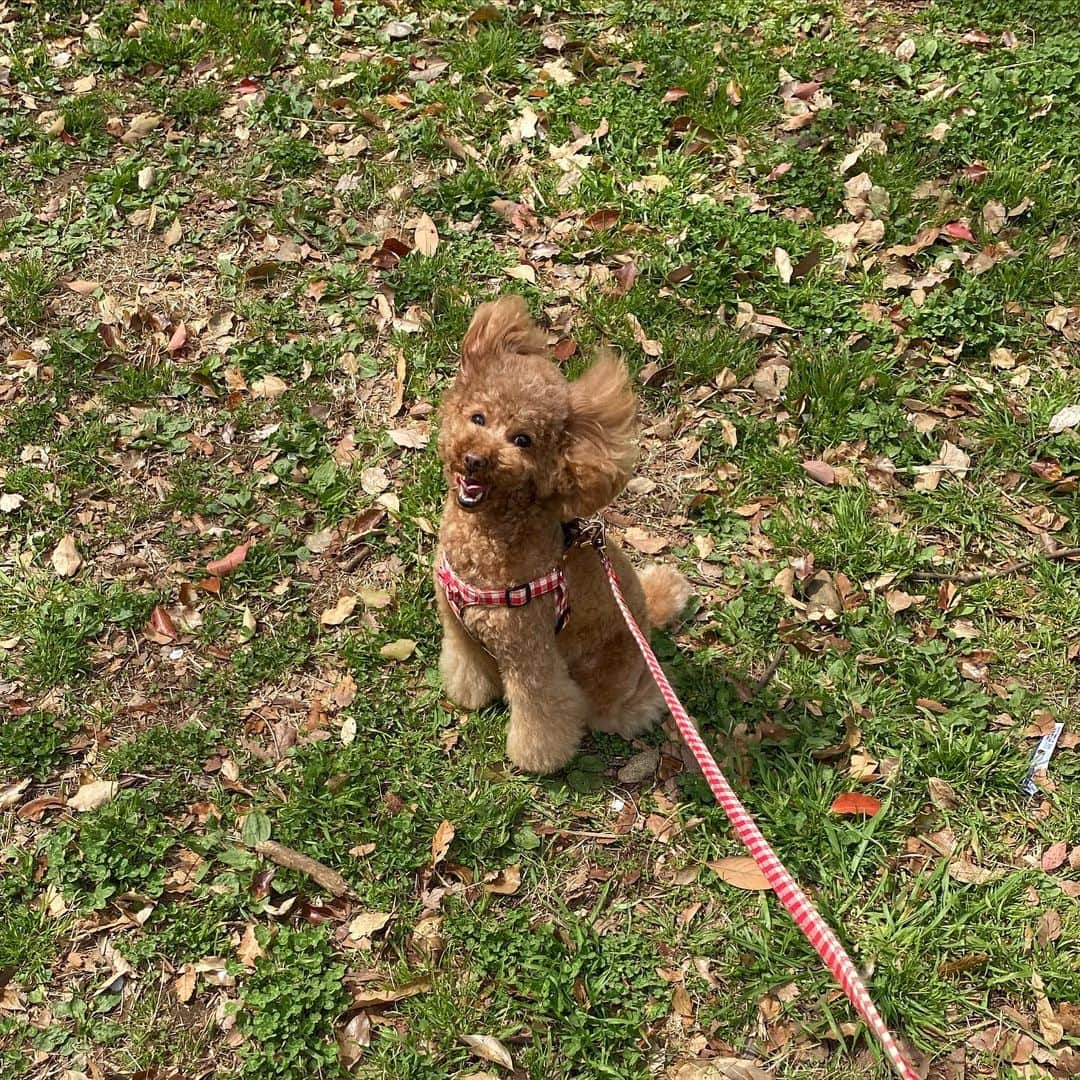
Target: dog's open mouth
{"x":470,"y":493}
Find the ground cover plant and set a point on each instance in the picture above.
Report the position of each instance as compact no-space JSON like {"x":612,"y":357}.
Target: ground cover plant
{"x":837,"y":244}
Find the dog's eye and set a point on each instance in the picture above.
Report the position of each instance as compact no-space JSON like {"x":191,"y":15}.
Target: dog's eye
{"x":522,"y":440}
{"x":478,"y":419}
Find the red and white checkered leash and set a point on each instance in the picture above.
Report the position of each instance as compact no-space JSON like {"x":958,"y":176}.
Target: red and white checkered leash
{"x":791,"y":896}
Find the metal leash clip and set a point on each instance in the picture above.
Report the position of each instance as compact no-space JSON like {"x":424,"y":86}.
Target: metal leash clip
{"x":590,"y":532}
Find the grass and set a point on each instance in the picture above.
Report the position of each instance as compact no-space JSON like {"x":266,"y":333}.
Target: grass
{"x":241,"y":370}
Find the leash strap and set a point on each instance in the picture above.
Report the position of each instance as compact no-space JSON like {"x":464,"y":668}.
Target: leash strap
{"x":784,"y":885}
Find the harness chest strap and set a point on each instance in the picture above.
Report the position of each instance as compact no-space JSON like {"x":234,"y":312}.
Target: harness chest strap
{"x":461,"y":595}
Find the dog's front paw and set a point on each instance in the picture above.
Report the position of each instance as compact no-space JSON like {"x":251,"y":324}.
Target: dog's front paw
{"x":466,"y":683}
{"x":538,"y":748}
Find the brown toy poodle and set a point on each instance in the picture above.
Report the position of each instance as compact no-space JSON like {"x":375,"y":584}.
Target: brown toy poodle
{"x":526,"y":614}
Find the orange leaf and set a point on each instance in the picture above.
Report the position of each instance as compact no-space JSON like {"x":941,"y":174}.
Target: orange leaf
{"x":854,"y":802}
{"x":440,"y":842}
{"x":161,"y":628}
{"x":225,"y":566}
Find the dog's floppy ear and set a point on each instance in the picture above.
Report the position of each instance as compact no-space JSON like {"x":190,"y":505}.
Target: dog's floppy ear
{"x":602,"y":438}
{"x":499,"y":327}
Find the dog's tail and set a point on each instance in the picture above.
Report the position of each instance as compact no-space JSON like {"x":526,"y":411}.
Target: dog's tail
{"x":667,"y":593}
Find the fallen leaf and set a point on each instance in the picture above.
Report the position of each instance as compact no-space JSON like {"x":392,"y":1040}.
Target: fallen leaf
{"x":440,"y":842}
{"x":1048,"y":929}
{"x":249,"y":949}
{"x":645,"y":542}
{"x":503,"y":882}
{"x":10,"y":502}
{"x":722,"y":1068}
{"x":958,"y":230}
{"x":905,"y":50}
{"x":897,"y":600}
{"x":184,"y":984}
{"x":426,"y":237}
{"x":1054,"y":856}
{"x":161,"y":629}
{"x":967,"y":872}
{"x":269,"y":387}
{"x":370,"y":922}
{"x":353,"y":1038}
{"x":173,"y":234}
{"x":1064,"y":419}
{"x":66,"y":559}
{"x":367,"y":996}
{"x":84,"y":288}
{"x":676,"y":93}
{"x":855,"y":803}
{"x":490,"y":1049}
{"x":740,"y":871}
{"x":994,"y":216}
{"x":522,"y":272}
{"x":942,"y":794}
{"x":336,"y":615}
{"x":91,"y":796}
{"x":11,"y":793}
{"x":35,"y":808}
{"x":640,"y":767}
{"x":408,"y":438}
{"x":401,"y":649}
{"x":821,"y":471}
{"x":783,"y":264}
{"x":228,"y":564}
{"x":178,"y":339}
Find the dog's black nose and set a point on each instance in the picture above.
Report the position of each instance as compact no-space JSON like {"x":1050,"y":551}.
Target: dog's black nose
{"x":474,"y":463}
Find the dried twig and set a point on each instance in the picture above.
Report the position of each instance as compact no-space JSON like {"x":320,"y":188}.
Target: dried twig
{"x":321,"y":874}
{"x":969,"y":577}
{"x":771,"y":670}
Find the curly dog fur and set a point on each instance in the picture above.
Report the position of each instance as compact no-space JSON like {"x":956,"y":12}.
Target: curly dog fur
{"x":523,"y":451}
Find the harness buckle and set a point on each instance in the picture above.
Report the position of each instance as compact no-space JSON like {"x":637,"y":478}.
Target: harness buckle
{"x":519,"y":595}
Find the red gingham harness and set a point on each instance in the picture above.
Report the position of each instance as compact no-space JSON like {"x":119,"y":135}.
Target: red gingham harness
{"x":460,"y":594}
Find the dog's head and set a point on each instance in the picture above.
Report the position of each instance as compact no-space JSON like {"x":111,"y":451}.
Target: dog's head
{"x":515,"y":432}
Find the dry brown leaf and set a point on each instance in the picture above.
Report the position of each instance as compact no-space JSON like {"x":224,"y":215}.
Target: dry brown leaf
{"x":440,"y":842}
{"x":1049,"y":928}
{"x":490,"y":1049}
{"x":336,"y":615}
{"x":740,"y":871}
{"x":645,"y":542}
{"x":370,"y":922}
{"x":504,"y":882}
{"x":722,"y":1068}
{"x":173,"y":233}
{"x":184,"y":984}
{"x":91,"y":796}
{"x":367,"y":996}
{"x":269,"y":387}
{"x":821,"y":471}
{"x":249,"y":949}
{"x":967,"y":872}
{"x":897,"y":600}
{"x":66,"y":559}
{"x":10,"y":794}
{"x":426,"y":237}
{"x":353,"y":1038}
{"x":228,"y":564}
{"x":399,"y":650}
{"x":942,"y":794}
